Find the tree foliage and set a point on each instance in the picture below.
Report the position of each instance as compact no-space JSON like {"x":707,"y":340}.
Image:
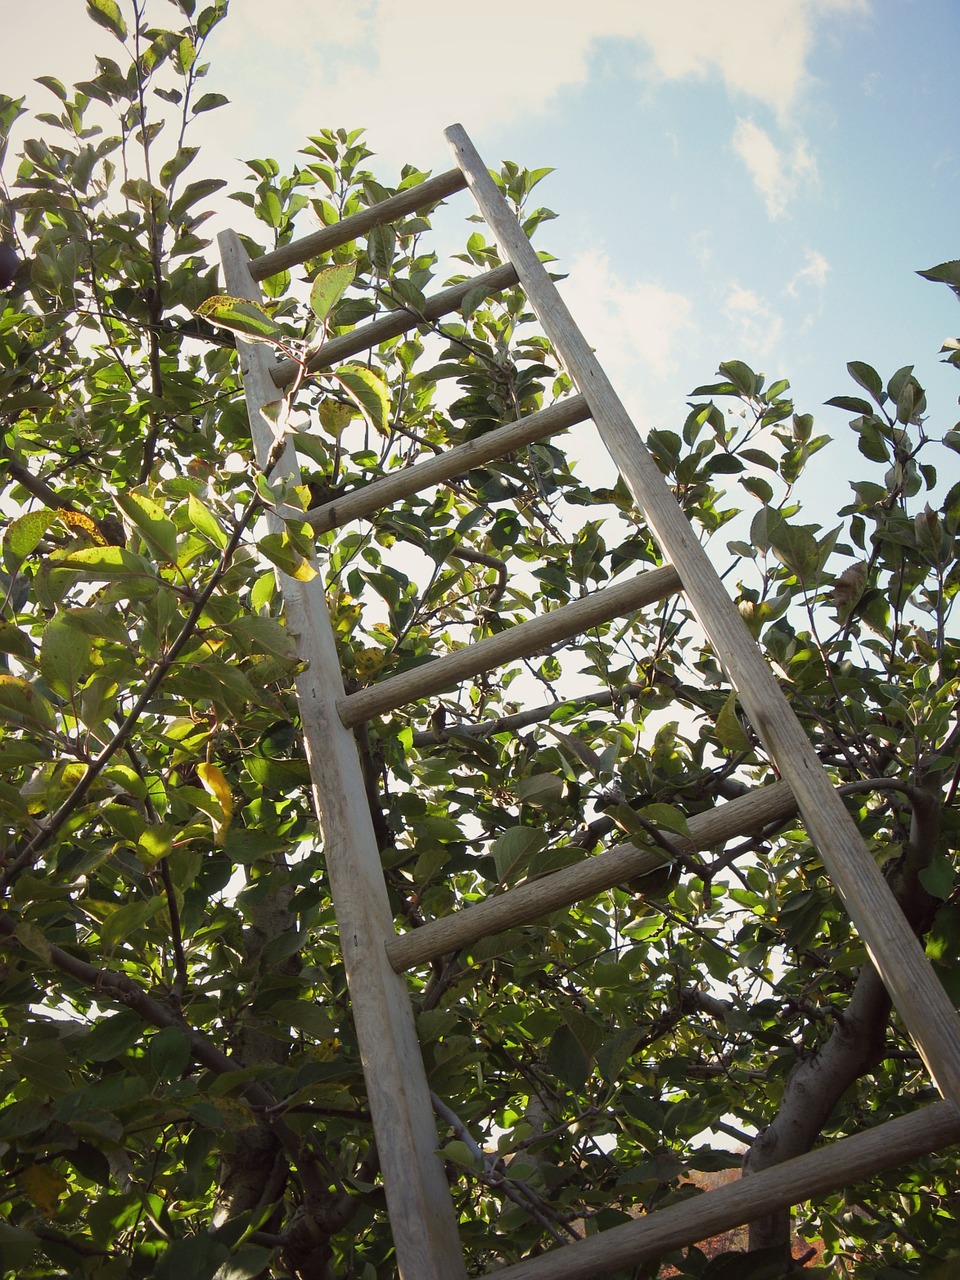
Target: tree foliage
{"x":181,"y":1089}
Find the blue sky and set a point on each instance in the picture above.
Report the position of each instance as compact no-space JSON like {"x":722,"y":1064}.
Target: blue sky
{"x":742,"y":179}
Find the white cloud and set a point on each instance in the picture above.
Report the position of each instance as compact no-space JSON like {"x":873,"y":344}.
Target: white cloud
{"x":813,"y":274}
{"x":626,"y":322}
{"x":756,"y":325}
{"x":404,"y":72}
{"x":777,"y":175}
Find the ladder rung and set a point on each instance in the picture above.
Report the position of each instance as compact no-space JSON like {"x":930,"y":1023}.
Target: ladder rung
{"x":516,"y":642}
{"x":817,"y":1173}
{"x":396,"y":322}
{"x":444,"y":466}
{"x":312,"y":246}
{"x":536,"y":898}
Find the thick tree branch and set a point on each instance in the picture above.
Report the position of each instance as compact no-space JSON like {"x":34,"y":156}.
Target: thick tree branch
{"x":818,"y":1082}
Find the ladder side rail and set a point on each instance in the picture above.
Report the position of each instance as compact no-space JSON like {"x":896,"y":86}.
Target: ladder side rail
{"x":373,"y":497}
{"x":418,"y":1198}
{"x":592,"y":875}
{"x":521,"y":641}
{"x":829,"y":1168}
{"x":338,"y":233}
{"x":895,"y":950}
{"x":393,"y":323}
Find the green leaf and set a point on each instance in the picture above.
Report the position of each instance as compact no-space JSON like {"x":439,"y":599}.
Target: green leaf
{"x":186,"y":53}
{"x":158,"y":532}
{"x":939,"y":878}
{"x":21,"y":704}
{"x":205,"y":522}
{"x":111,"y":1036}
{"x":191,"y":193}
{"x":944,"y":273}
{"x":174,"y":167}
{"x":107,"y":14}
{"x":758,"y":487}
{"x":279,"y":550}
{"x":18,"y":1248}
{"x":742,"y":377}
{"x":127,"y":919}
{"x":169,"y":1053}
{"x":568,"y":1058}
{"x":131,"y":575}
{"x":729,"y":731}
{"x":667,"y":816}
{"x":381,"y":246}
{"x":209,"y":102}
{"x":103,"y":564}
{"x":329,"y":287}
{"x":154,"y":842}
{"x":304,"y":1015}
{"x":22,"y":536}
{"x":764,"y":527}
{"x":64,"y":654}
{"x":368,"y":389}
{"x":54,"y":85}
{"x":868,"y":378}
{"x":542,"y":789}
{"x":249,"y":319}
{"x":195,"y":1257}
{"x":255,"y":634}
{"x":34,"y":939}
{"x":853,"y":404}
{"x":513,"y":849}
{"x":278,"y":775}
{"x":459,"y":1153}
{"x":759,"y":458}
{"x":796,"y":547}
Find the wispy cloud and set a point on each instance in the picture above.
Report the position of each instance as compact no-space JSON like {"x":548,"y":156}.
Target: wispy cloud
{"x":404,"y":73}
{"x":812,"y":275}
{"x":757,"y":327}
{"x":625,"y":321}
{"x":777,"y":174}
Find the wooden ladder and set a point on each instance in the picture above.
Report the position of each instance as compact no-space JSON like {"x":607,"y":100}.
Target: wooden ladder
{"x":375,"y":955}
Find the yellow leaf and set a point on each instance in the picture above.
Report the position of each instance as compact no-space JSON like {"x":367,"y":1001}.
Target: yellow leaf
{"x":335,"y":416}
{"x":368,"y":661}
{"x":77,"y":520}
{"x":216,"y":784}
{"x":326,"y":1050}
{"x":44,"y":1186}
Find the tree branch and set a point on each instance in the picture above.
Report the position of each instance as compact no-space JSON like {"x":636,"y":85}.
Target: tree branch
{"x":47,"y":830}
{"x":818,"y":1082}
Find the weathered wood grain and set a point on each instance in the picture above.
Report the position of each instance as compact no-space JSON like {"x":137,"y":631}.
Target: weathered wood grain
{"x":322,"y":241}
{"x":418,"y":1199}
{"x":531,"y":901}
{"x":393,"y":323}
{"x":516,"y":642}
{"x":444,"y":466}
{"x":828,"y":1169}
